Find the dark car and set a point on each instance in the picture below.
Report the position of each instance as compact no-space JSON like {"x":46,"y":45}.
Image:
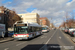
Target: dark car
{"x":73,"y":34}
{"x":10,"y":33}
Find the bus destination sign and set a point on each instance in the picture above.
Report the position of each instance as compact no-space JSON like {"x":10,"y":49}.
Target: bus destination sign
{"x":20,"y":24}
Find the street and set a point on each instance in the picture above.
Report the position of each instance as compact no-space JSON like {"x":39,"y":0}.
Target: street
{"x":53,"y":40}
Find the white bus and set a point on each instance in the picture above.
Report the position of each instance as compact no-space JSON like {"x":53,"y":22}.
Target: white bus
{"x":45,"y":29}
{"x":26,"y":30}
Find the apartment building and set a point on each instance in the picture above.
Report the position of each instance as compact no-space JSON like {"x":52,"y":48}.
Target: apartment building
{"x":44,"y":21}
{"x":30,"y":17}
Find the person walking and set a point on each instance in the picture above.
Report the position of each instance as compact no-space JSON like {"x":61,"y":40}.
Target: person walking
{"x":3,"y":35}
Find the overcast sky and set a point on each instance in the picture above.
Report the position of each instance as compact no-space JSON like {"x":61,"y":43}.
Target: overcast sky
{"x":55,"y":9}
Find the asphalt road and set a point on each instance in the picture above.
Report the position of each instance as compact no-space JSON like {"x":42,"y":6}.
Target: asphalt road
{"x":53,"y":40}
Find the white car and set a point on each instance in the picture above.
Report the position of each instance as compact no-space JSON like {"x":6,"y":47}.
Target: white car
{"x":71,"y":30}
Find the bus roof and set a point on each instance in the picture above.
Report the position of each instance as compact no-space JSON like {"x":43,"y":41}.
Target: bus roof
{"x":31,"y":24}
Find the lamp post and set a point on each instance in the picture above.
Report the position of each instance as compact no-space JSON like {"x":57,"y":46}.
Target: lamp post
{"x":41,"y":22}
{"x":6,"y":12}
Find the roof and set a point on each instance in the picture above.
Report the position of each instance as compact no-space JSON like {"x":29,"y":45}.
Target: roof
{"x":29,"y":24}
{"x":43,"y":18}
{"x":33,"y":24}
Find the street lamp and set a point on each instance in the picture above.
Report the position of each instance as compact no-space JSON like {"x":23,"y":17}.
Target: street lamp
{"x":41,"y":22}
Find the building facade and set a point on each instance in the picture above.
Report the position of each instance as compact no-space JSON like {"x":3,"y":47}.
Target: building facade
{"x":51,"y":25}
{"x":30,"y":17}
{"x":44,"y":21}
{"x":8,"y":17}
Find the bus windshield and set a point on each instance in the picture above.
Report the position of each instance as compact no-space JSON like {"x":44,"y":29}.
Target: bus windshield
{"x":44,"y":28}
{"x":21,"y":30}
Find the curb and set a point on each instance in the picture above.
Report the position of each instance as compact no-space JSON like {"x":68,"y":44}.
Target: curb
{"x":73,"y":40}
{"x":2,"y":41}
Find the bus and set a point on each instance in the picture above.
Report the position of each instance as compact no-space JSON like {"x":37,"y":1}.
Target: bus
{"x":45,"y":29}
{"x":26,"y":30}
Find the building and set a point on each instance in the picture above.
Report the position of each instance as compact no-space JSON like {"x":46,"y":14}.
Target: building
{"x":44,"y":21}
{"x":30,"y":17}
{"x":51,"y":25}
{"x":8,"y":17}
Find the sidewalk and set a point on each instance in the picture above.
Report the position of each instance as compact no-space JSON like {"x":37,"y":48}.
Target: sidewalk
{"x":73,"y":40}
{"x":6,"y":39}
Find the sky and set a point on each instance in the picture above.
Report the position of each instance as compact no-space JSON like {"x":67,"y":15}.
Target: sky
{"x":54,"y":10}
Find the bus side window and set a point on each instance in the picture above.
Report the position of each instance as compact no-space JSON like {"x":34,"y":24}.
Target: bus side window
{"x":30,"y":29}
{"x":33,"y":29}
{"x":40,"y":29}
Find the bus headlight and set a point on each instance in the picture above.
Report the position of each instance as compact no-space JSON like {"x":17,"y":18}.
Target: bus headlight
{"x":13,"y":35}
{"x":27,"y":35}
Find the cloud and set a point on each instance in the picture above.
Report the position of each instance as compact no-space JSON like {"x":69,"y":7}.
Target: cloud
{"x":55,"y":9}
{"x":42,"y":13}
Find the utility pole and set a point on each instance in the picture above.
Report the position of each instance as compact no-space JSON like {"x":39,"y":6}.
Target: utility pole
{"x":51,"y":22}
{"x":73,"y":17}
{"x":66,"y":20}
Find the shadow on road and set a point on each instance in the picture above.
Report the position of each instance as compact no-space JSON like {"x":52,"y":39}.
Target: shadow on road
{"x":41,"y":47}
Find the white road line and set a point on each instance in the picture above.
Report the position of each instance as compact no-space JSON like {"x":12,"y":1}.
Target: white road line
{"x":59,"y":37}
{"x":67,"y":37}
{"x":50,"y":38}
{"x":20,"y":44}
{"x":43,"y":37}
{"x":45,"y":46}
{"x":6,"y":48}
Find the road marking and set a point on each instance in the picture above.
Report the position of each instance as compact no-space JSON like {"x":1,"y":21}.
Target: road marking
{"x":67,"y":37}
{"x":20,"y":44}
{"x":45,"y":46}
{"x":50,"y":38}
{"x":59,"y":37}
{"x":6,"y":48}
{"x":43,"y":37}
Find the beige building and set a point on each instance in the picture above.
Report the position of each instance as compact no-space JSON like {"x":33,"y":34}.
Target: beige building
{"x":30,"y":17}
{"x":51,"y":25}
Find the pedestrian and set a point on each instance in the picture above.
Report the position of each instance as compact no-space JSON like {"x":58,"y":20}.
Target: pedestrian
{"x":3,"y":35}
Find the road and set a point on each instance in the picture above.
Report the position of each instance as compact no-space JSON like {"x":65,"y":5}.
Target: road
{"x":53,"y":40}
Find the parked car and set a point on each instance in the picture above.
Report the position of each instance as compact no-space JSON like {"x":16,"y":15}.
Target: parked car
{"x":54,"y":28}
{"x":63,"y":29}
{"x":10,"y":33}
{"x":66,"y":30}
{"x":73,"y":34}
{"x":71,"y":30}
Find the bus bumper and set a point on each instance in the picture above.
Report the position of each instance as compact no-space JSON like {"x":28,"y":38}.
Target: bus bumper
{"x":21,"y":38}
{"x":44,"y":31}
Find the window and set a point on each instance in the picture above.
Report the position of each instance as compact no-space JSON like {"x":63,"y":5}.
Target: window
{"x":0,"y":18}
{"x":20,"y":15}
{"x":30,"y":29}
{"x":21,"y":30}
{"x":0,"y":11}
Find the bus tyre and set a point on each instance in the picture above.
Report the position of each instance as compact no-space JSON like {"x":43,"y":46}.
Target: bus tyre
{"x":28,"y":38}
